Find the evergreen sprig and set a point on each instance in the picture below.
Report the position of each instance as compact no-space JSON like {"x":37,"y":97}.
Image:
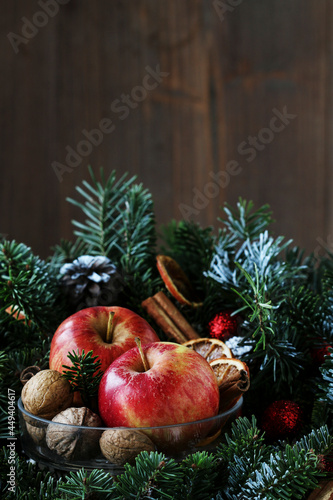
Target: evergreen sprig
{"x":289,"y":473}
{"x":241,"y":453}
{"x":277,"y":479}
{"x":152,"y":476}
{"x":191,"y":246}
{"x":28,"y":285}
{"x":102,"y":228}
{"x":245,"y":222}
{"x":66,"y":251}
{"x":260,"y":309}
{"x":30,"y":483}
{"x":120,"y":224}
{"x":260,"y":277}
{"x":138,"y":245}
{"x":258,"y":471}
{"x":13,"y":361}
{"x":200,"y":472}
{"x":84,"y":485}
{"x":84,"y":375}
{"x":326,"y":385}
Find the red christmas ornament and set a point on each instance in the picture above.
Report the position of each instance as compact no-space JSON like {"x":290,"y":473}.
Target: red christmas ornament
{"x":282,"y":419}
{"x":326,"y":463}
{"x":318,"y":353}
{"x":223,"y":326}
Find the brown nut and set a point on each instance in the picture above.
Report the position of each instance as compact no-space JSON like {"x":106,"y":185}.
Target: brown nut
{"x":120,"y":446}
{"x":46,"y":394}
{"x":74,"y":442}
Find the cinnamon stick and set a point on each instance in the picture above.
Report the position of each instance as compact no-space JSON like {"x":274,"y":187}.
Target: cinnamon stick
{"x":232,"y":391}
{"x":324,"y":491}
{"x":169,"y":318}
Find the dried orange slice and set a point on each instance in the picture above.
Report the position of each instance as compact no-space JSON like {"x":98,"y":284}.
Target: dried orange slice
{"x":177,"y":281}
{"x":16,"y":313}
{"x":229,"y":371}
{"x":209,"y":348}
{"x":233,"y":377}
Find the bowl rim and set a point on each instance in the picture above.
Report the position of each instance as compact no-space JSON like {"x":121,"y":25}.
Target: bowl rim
{"x":194,"y":422}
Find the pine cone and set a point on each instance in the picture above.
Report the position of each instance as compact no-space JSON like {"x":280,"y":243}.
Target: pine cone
{"x":91,"y":281}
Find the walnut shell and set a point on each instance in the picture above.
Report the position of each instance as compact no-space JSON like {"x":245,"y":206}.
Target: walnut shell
{"x":46,"y":394}
{"x":120,"y":446}
{"x":74,"y":442}
{"x":37,"y":433}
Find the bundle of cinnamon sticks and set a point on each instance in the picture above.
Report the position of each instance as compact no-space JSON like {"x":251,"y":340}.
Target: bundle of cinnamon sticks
{"x":169,"y":318}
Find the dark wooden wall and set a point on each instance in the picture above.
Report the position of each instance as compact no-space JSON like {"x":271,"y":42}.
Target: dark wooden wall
{"x":228,"y":68}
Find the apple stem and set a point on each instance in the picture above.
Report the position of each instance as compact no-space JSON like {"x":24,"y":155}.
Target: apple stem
{"x":142,"y":354}
{"x":109,"y":331}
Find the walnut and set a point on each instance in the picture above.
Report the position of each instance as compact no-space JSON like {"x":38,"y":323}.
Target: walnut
{"x":123,"y":445}
{"x":74,"y":442}
{"x":37,"y":433}
{"x":46,"y":394}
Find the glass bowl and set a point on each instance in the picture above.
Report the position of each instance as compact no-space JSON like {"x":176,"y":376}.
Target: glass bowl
{"x":79,"y":446}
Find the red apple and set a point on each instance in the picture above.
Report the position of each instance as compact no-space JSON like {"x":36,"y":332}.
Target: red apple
{"x":88,"y":330}
{"x":178,"y":386}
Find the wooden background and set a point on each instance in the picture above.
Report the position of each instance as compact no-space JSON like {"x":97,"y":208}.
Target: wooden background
{"x":227,"y":65}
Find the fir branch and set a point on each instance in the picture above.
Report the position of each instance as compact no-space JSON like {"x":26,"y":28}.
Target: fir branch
{"x":277,"y":367}
{"x":311,"y":313}
{"x":65,"y":252}
{"x":152,"y":476}
{"x":266,"y":254}
{"x":289,"y":473}
{"x":260,"y":308}
{"x":120,"y":224}
{"x":191,"y":246}
{"x":81,"y":485}
{"x":285,"y":474}
{"x":13,"y":362}
{"x":280,"y":479}
{"x":30,"y":483}
{"x":263,"y":254}
{"x":138,"y":244}
{"x":244,"y":435}
{"x":326,"y":383}
{"x":241,"y":453}
{"x":102,"y":229}
{"x":320,"y":414}
{"x":84,"y":375}
{"x":200,"y":472}
{"x":303,"y":306}
{"x":30,"y":286}
{"x":244,"y":222}
{"x":139,"y":236}
{"x":319,"y":440}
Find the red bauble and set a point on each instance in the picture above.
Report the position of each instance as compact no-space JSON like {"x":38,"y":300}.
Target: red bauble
{"x":326,"y":464}
{"x":282,"y":419}
{"x":223,"y":326}
{"x":319,"y":352}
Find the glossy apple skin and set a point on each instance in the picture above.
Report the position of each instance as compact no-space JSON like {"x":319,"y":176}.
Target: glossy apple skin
{"x":87,"y":328}
{"x":179,"y":387}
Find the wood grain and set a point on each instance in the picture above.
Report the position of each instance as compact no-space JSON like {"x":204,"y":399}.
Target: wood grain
{"x":225,"y":78}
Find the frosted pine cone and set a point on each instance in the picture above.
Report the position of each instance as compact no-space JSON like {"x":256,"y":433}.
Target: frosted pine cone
{"x":91,"y":281}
